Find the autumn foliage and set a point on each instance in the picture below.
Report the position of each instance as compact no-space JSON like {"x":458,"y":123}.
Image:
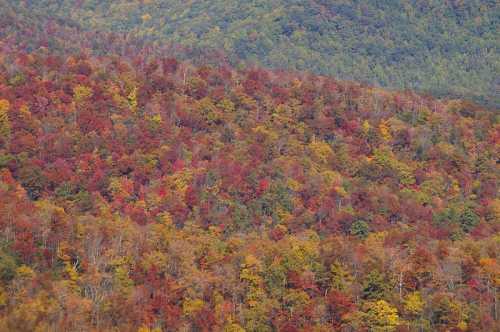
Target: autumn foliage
{"x":148,"y":194}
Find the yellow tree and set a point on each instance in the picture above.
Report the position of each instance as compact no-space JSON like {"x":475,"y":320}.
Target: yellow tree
{"x":413,"y":304}
{"x":132,"y":100}
{"x":340,"y":277}
{"x":381,"y":316}
{"x":81,"y":94}
{"x":4,"y":121}
{"x":414,"y":307}
{"x":384,"y":130}
{"x":320,"y":151}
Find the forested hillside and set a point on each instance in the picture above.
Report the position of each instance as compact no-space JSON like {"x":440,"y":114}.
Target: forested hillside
{"x":144,"y":192}
{"x":446,"y":48}
{"x":154,"y":194}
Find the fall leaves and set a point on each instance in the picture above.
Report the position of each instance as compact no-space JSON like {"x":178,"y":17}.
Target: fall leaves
{"x":182,"y":198}
{"x":5,"y":126}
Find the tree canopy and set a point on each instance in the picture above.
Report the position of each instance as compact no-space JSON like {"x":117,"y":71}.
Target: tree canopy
{"x":439,"y":47}
{"x":140,"y":191}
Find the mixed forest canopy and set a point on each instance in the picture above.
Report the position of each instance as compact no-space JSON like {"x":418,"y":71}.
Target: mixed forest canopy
{"x":446,"y":48}
{"x":141,"y":191}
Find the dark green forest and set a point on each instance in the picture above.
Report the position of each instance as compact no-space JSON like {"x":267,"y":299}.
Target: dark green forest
{"x":445,"y":48}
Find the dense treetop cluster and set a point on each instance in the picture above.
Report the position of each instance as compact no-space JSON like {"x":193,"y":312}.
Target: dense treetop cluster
{"x":141,"y":192}
{"x":159,"y":194}
{"x":444,"y":48}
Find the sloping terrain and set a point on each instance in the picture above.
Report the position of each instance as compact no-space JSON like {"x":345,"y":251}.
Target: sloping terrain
{"x":446,"y":48}
{"x":141,"y":192}
{"x":157,"y":194}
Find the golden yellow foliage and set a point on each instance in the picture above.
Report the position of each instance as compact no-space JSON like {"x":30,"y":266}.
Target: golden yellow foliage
{"x":462,"y":326}
{"x":179,"y":181}
{"x":62,"y":251}
{"x":82,"y":93}
{"x":331,"y":178}
{"x":296,"y":298}
{"x":293,"y":184}
{"x":414,"y":304}
{"x":251,"y":266}
{"x":226,"y":105}
{"x":4,"y":297}
{"x":384,"y":130}
{"x":132,"y":100}
{"x":147,"y":329}
{"x":166,"y":218}
{"x":156,"y":119}
{"x":283,"y":215}
{"x":5,"y":127}
{"x":494,"y":207}
{"x":24,"y":110}
{"x":233,"y":327}
{"x":4,"y":105}
{"x":264,"y":134}
{"x":121,"y":279}
{"x":25,"y":272}
{"x":366,"y":127}
{"x":340,"y":277}
{"x":154,"y":258}
{"x":381,"y":316}
{"x":189,"y":306}
{"x":321,"y":151}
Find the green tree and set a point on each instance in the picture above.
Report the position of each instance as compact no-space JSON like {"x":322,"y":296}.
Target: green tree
{"x":468,"y":219}
{"x":374,"y":286}
{"x":360,"y":229}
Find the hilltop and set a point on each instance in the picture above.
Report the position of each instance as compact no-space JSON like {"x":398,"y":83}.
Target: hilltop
{"x":446,"y":48}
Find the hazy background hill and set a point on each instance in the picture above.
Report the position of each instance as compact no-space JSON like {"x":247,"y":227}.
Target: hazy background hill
{"x":447,"y":48}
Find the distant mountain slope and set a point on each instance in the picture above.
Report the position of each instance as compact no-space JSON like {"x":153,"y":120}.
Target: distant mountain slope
{"x":442,"y":47}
